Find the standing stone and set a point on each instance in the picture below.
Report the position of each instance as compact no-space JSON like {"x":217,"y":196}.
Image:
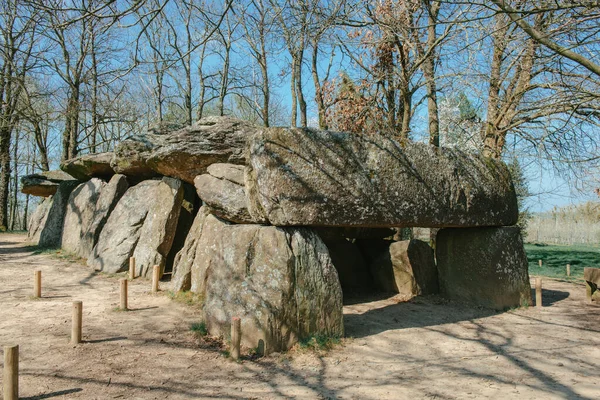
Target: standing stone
{"x":484,"y":266}
{"x":189,"y":208}
{"x":280,"y":282}
{"x":592,"y":282}
{"x":106,"y":202}
{"x":38,"y":220}
{"x":143,"y":218}
{"x":51,"y":233}
{"x":186,"y":257}
{"x":185,"y":153}
{"x":407,"y":268}
{"x":160,"y":225}
{"x":318,"y":178}
{"x":79,"y":216}
{"x":222,"y":189}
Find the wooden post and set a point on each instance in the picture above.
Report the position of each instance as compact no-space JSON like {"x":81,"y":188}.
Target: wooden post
{"x":11,"y":373}
{"x":568,"y":269}
{"x":538,"y":292}
{"x":77,"y":322}
{"x":123,"y":294}
{"x":540,"y":263}
{"x":155,"y":278}
{"x":37,"y":284}
{"x":132,"y":268}
{"x":236,"y":337}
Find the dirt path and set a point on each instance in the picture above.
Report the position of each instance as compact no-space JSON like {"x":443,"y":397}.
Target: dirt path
{"x":425,"y":348}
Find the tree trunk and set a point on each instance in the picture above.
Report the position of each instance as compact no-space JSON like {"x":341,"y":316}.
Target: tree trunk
{"x":4,"y":176}
{"x":318,"y":89}
{"x":294,"y":116}
{"x":299,"y":91}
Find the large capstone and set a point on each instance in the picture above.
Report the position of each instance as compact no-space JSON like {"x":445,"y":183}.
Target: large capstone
{"x":142,"y":224}
{"x":318,"y":178}
{"x":406,"y":267}
{"x":185,"y":153}
{"x":279,"y":281}
{"x":483,"y":266}
{"x":43,"y":184}
{"x":96,"y":165}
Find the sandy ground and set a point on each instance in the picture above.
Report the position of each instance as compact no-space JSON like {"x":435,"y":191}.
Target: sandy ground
{"x":424,"y":348}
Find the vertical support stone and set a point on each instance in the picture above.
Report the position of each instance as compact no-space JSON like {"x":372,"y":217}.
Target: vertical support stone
{"x":131,"y":268}
{"x":123,"y":285}
{"x":236,"y":337}
{"x":538,"y":292}
{"x":37,"y":284}
{"x":76,"y":322}
{"x":568,"y":269}
{"x":155,"y":278}
{"x":540,"y":263}
{"x":11,"y":373}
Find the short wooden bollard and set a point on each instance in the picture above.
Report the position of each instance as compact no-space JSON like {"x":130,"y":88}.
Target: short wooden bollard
{"x":568,"y":269}
{"x":37,"y":284}
{"x":538,"y":292}
{"x":11,"y":373}
{"x":540,"y":263}
{"x":123,"y":306}
{"x":132,"y":268}
{"x":236,"y":337}
{"x":155,"y":278}
{"x":77,"y":322}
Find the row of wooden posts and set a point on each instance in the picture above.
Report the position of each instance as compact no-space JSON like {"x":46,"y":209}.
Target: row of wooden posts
{"x":11,"y":353}
{"x":568,"y":267}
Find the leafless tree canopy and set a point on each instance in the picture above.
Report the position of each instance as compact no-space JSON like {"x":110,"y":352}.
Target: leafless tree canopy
{"x":503,"y":77}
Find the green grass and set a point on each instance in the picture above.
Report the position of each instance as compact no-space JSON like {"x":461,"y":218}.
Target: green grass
{"x":319,"y":343}
{"x":556,"y":257}
{"x":187,"y":297}
{"x":199,"y":328}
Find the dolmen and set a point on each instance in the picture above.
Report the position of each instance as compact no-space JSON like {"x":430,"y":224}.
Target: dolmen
{"x":277,"y":225}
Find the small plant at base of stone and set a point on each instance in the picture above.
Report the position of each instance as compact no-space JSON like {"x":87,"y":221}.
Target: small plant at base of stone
{"x":319,"y":343}
{"x":199,"y":328}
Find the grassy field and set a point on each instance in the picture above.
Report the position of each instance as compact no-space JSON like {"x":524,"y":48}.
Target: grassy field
{"x":556,"y":257}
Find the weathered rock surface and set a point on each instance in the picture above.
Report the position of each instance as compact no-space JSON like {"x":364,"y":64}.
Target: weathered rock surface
{"x":318,"y":178}
{"x":142,"y":224}
{"x":37,"y":221}
{"x":222,"y":189}
{"x":280,"y":281}
{"x":79,"y":216}
{"x":406,"y":267}
{"x":353,"y":270}
{"x":484,"y":266}
{"x":51,"y":232}
{"x":88,"y":209}
{"x":43,"y":184}
{"x":592,"y":282}
{"x":353,"y":233}
{"x":160,"y":225}
{"x":89,"y":166}
{"x":185,"y":153}
{"x":185,"y":259}
{"x":189,"y":208}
